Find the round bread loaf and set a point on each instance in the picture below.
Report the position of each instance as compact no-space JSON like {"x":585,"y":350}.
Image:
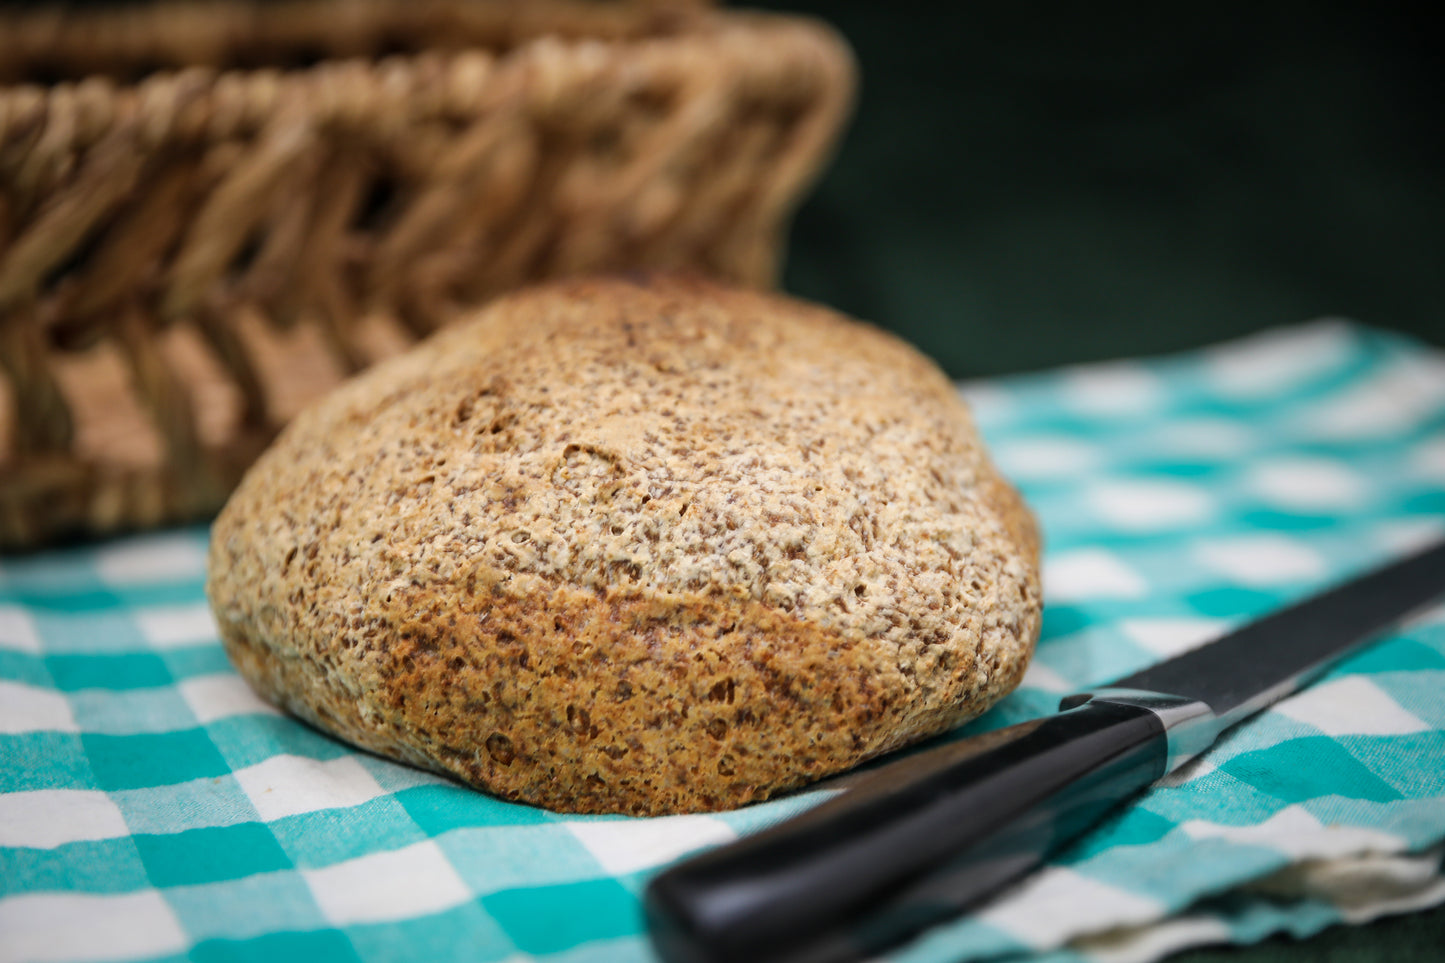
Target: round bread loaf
{"x":632,"y":546}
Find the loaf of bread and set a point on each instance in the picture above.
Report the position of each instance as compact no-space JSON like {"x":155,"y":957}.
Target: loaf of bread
{"x":639,"y":546}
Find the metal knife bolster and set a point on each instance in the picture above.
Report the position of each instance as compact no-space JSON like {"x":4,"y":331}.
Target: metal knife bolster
{"x":1190,"y":726}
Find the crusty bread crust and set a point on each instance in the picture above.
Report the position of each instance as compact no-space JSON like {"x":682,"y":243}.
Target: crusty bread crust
{"x":632,"y":546}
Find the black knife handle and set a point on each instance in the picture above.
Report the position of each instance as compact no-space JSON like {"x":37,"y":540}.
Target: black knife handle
{"x":915,"y":843}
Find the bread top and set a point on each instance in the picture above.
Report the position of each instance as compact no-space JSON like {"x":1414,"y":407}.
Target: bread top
{"x":730,"y":457}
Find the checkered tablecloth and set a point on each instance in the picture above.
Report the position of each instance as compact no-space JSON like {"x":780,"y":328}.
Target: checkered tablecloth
{"x":152,"y":808}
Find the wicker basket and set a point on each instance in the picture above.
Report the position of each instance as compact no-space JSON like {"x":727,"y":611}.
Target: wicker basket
{"x":224,"y":217}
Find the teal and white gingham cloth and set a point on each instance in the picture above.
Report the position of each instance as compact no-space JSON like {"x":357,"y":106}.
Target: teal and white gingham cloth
{"x":152,"y":808}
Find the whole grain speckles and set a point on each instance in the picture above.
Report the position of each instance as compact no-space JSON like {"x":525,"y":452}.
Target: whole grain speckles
{"x":642,"y":549}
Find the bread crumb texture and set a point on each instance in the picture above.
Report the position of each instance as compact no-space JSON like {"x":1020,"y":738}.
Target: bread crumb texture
{"x":632,"y":546}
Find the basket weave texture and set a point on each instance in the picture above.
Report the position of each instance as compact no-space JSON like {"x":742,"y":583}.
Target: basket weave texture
{"x":209,"y":215}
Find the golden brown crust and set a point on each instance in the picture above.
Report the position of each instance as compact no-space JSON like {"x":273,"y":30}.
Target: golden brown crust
{"x":638,"y":547}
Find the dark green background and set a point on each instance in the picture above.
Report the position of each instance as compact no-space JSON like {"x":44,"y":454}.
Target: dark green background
{"x":1025,"y":186}
{"x":1029,"y":185}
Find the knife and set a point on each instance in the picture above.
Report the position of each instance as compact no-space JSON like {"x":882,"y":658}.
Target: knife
{"x":922,"y":839}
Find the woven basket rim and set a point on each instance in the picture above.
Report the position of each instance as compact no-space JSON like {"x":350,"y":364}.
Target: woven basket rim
{"x":128,"y":42}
